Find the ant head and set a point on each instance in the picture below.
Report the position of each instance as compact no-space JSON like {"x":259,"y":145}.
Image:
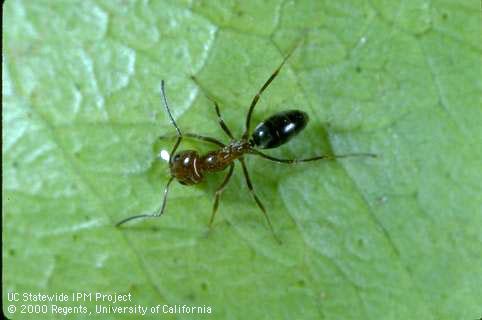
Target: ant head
{"x":185,"y":167}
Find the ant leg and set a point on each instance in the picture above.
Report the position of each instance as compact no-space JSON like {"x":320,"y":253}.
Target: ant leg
{"x":197,"y":137}
{"x":323,"y":157}
{"x":265,"y":85}
{"x":206,"y":139}
{"x":218,"y":193}
{"x":159,"y":212}
{"x":220,"y":119}
{"x":255,"y":197}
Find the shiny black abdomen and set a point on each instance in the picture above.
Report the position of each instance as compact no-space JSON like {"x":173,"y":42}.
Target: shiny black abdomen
{"x":279,"y":129}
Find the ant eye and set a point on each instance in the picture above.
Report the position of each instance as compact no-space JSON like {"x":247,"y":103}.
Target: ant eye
{"x":176,"y":157}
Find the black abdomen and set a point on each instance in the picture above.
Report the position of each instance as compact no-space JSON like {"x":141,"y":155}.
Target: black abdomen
{"x":279,"y":129}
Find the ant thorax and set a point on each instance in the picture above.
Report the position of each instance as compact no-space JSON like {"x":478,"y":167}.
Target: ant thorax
{"x":218,"y":160}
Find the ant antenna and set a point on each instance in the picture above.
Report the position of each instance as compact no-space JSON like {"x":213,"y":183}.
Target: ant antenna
{"x":171,"y":156}
{"x":166,"y":105}
{"x":158,"y":214}
{"x":179,"y":134}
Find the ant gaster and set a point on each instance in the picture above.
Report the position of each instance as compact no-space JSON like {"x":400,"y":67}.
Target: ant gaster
{"x":189,"y":167}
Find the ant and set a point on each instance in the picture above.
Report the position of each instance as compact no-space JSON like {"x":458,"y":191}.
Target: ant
{"x":189,"y":167}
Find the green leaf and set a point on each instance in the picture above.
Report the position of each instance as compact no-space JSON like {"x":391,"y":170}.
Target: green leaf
{"x":396,"y":237}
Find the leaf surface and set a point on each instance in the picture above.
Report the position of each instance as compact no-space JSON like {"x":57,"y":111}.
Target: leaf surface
{"x":396,"y":237}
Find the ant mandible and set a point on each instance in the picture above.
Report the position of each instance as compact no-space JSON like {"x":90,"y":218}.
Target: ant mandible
{"x":189,"y":167}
